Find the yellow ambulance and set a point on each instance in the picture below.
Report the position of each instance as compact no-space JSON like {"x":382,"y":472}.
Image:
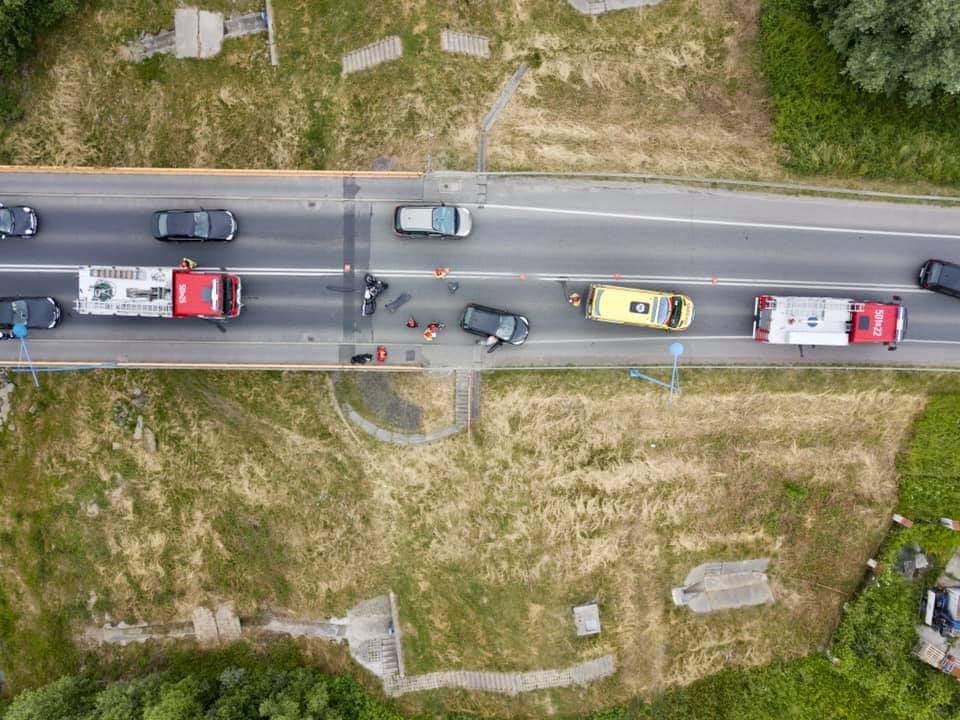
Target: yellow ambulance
{"x":646,"y":308}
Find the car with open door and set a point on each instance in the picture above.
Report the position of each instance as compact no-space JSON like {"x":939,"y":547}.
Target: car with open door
{"x":497,"y":326}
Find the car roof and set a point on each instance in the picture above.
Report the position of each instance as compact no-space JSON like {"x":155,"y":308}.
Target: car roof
{"x":180,"y":222}
{"x":950,"y":276}
{"x":615,"y":302}
{"x":417,"y":218}
{"x":486,"y":319}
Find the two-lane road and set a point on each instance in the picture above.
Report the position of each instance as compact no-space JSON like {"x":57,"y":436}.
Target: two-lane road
{"x":305,"y":241}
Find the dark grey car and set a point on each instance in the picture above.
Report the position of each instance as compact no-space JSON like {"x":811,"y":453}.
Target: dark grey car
{"x":941,"y":276}
{"x":19,"y":221}
{"x":34,"y":312}
{"x":199,"y":225}
{"x":505,"y":326}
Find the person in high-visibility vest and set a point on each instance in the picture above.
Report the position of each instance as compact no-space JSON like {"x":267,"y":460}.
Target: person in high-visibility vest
{"x":574,"y":299}
{"x":188,"y":264}
{"x":381,"y":353}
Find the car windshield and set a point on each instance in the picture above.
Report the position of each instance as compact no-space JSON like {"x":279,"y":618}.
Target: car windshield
{"x":661,"y":312}
{"x":6,"y":221}
{"x":227,"y":296}
{"x":676,"y":304}
{"x":933,"y":272}
{"x":201,"y":225}
{"x":444,"y":220}
{"x":20,"y":314}
{"x":508,"y":324}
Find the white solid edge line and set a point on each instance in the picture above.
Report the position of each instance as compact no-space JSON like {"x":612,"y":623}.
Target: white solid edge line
{"x":723,"y":223}
{"x":679,"y":336}
{"x":931,"y":342}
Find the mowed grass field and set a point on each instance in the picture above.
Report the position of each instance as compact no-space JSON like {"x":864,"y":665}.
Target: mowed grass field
{"x":575,"y":485}
{"x":671,"y":88}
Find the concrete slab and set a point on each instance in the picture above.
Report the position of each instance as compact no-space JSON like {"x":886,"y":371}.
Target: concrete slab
{"x":726,"y":585}
{"x":186,"y":26}
{"x":586,"y":619}
{"x":240,"y":25}
{"x":228,"y":624}
{"x":204,"y":625}
{"x":210,"y":33}
{"x":598,"y":7}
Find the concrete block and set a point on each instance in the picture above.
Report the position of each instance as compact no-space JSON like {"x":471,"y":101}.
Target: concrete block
{"x":209,"y":33}
{"x":228,"y":624}
{"x":205,"y":625}
{"x":186,"y":26}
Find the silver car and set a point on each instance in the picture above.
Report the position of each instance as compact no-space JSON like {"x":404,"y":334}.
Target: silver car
{"x":432,"y":220}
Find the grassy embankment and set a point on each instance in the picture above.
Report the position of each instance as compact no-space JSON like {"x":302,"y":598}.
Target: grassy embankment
{"x":670,"y":88}
{"x":828,"y":127}
{"x":874,"y":674}
{"x":576,"y":485}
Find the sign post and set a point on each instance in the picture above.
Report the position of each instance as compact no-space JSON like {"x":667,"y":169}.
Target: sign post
{"x":20,"y":332}
{"x":676,"y":350}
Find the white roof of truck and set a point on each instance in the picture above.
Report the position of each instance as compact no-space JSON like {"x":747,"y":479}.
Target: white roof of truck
{"x":111,"y":290}
{"x":807,"y":320}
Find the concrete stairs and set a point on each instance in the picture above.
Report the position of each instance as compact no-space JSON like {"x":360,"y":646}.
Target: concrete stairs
{"x":389,"y":660}
{"x":466,"y":398}
{"x":390,"y":48}
{"x":464,"y":43}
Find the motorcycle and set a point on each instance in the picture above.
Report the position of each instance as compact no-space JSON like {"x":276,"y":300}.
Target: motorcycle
{"x":372,"y":290}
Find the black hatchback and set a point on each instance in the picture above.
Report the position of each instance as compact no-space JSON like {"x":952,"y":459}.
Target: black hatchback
{"x":19,"y":221}
{"x":199,"y":225}
{"x":34,"y":312}
{"x":488,"y":322}
{"x":941,"y":276}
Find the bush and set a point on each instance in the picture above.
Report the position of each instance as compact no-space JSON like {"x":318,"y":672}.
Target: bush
{"x":21,"y":22}
{"x":206,"y":686}
{"x":930,"y":469}
{"x":828,"y":126}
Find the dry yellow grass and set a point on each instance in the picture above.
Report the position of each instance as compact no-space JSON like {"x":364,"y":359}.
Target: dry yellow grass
{"x":670,"y":88}
{"x":433,"y":393}
{"x":566,"y":495}
{"x":673,"y":90}
{"x":589,"y":486}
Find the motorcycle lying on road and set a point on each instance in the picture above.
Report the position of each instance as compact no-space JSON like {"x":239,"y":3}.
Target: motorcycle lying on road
{"x":372,"y":290}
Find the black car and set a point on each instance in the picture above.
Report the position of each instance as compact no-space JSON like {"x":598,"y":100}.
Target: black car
{"x":18,"y":221}
{"x":941,"y":276}
{"x":194,"y":225}
{"x":34,"y":312}
{"x":506,"y":327}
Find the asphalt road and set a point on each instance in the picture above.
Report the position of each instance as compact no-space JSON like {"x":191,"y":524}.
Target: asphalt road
{"x":532,"y":238}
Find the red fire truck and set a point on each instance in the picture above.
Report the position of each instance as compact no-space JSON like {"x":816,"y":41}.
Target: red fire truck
{"x":788,"y":320}
{"x":157,"y":292}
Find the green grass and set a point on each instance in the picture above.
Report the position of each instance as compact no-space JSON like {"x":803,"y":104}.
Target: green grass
{"x":829,"y":127}
{"x":930,"y":470}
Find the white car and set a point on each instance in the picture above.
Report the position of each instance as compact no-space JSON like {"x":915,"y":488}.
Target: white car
{"x":433,"y":220}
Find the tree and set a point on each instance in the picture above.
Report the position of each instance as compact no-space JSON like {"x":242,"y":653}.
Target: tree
{"x":303,"y":696}
{"x":178,"y":701}
{"x":889,"y":44}
{"x":67,"y":699}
